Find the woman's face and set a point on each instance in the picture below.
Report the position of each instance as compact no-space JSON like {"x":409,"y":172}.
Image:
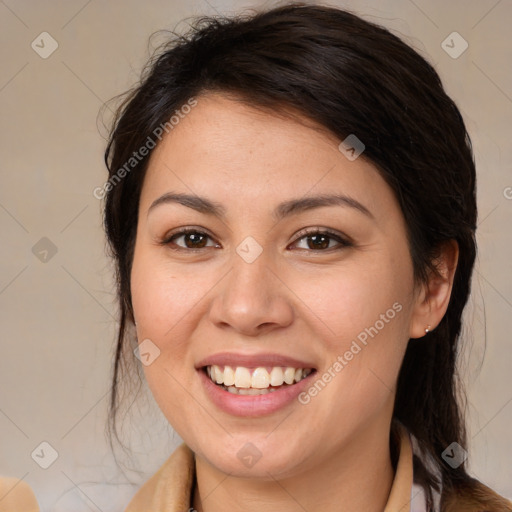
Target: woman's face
{"x":297,"y":257}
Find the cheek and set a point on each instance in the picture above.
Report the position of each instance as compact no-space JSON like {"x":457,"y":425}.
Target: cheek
{"x":350,"y":301}
{"x":163,"y":296}
{"x":362,"y":316}
{"x":167,"y":303}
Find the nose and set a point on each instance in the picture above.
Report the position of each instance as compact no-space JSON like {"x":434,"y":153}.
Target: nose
{"x":252,"y":299}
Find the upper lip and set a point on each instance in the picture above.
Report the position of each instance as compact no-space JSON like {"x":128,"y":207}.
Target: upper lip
{"x":252,"y":361}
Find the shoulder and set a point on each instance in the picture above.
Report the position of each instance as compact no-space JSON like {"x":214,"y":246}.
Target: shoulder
{"x":170,"y":487}
{"x":465,"y":495}
{"x":473,"y":496}
{"x":16,"y":495}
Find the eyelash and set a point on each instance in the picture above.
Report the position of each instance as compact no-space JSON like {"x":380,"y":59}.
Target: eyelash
{"x":304,"y":234}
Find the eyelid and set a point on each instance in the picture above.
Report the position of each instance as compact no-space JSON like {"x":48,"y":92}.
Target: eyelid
{"x":178,"y":232}
{"x":340,"y":238}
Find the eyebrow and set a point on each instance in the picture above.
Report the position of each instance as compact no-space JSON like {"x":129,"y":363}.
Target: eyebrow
{"x":285,"y":209}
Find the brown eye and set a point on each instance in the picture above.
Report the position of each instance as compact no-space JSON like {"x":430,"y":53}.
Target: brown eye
{"x":318,"y":240}
{"x":194,"y":240}
{"x":189,"y":239}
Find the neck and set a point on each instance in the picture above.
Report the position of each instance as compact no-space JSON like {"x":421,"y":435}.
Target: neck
{"x":357,"y":477}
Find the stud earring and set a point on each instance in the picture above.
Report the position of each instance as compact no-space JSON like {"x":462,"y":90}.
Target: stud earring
{"x":427,"y":330}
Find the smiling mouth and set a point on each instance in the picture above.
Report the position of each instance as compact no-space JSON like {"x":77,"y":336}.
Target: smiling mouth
{"x":240,"y":380}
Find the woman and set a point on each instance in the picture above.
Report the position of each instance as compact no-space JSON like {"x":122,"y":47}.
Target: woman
{"x":291,"y":209}
{"x":296,"y":254}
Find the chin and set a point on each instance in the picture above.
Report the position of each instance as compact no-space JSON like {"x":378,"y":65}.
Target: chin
{"x":247,"y":456}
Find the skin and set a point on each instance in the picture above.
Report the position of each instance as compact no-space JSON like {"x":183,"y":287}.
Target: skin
{"x":294,"y":299}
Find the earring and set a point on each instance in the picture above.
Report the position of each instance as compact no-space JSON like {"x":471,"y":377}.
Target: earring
{"x":427,"y":330}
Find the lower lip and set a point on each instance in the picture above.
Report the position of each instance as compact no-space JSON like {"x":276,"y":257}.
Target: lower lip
{"x":252,"y":405}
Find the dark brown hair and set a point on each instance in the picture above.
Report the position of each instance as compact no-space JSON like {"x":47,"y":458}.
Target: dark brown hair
{"x":351,"y":77}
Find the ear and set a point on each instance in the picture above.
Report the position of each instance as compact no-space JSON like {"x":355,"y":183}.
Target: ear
{"x":433,"y":297}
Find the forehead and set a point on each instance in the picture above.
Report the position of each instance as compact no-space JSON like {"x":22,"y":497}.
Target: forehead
{"x":235,"y":152}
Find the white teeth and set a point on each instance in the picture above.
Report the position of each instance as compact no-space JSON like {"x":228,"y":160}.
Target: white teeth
{"x":253,"y":391}
{"x":289,"y":375}
{"x":276,"y":376}
{"x":242,"y":377}
{"x":260,"y":379}
{"x":250,"y":391}
{"x":217,"y":374}
{"x":229,"y":376}
{"x":240,"y":380}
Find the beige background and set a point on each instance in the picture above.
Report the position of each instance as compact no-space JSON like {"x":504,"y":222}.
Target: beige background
{"x":57,"y":317}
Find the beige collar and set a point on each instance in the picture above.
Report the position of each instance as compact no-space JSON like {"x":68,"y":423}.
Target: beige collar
{"x":170,"y":488}
{"x":400,"y":496}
